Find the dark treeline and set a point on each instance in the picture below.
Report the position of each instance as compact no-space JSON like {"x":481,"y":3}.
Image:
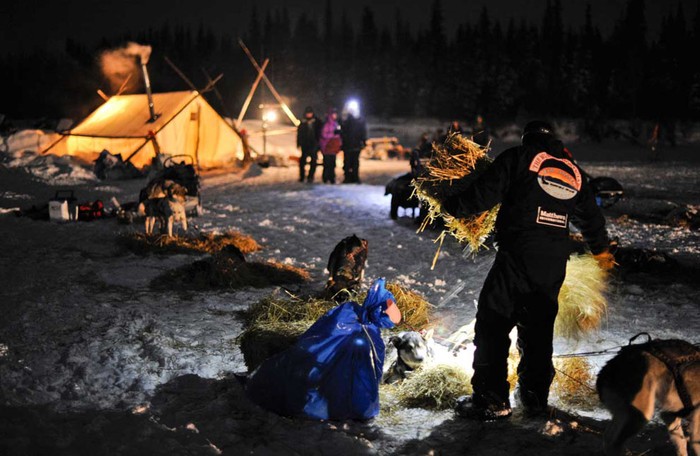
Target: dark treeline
{"x":500,"y":70}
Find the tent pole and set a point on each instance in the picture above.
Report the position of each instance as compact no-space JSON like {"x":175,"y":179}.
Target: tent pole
{"x":123,"y":86}
{"x":53,"y":144}
{"x":180,"y":73}
{"x":269,"y":85}
{"x":218,"y":94}
{"x":261,"y":73}
{"x":137,"y":150}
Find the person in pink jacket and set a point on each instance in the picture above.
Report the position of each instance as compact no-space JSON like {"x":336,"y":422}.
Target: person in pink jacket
{"x":331,"y":144}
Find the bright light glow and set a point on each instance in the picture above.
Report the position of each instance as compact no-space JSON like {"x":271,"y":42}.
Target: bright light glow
{"x":269,"y":116}
{"x":352,"y":106}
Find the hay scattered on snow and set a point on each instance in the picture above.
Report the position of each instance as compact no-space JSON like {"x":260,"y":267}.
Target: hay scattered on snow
{"x":222,"y":271}
{"x":261,"y":341}
{"x":275,"y":323}
{"x":582,"y":302}
{"x":454,"y":165}
{"x":142,"y":244}
{"x":414,"y":308}
{"x":289,"y":317}
{"x":574,"y":383}
{"x":434,"y":387}
{"x":272,"y":309}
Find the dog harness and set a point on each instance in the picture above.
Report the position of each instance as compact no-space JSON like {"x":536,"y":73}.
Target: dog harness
{"x":675,"y":364}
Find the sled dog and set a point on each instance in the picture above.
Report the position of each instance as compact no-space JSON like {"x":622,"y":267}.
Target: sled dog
{"x":659,"y":374}
{"x":413,"y":350}
{"x":166,"y":210}
{"x":346,"y":267}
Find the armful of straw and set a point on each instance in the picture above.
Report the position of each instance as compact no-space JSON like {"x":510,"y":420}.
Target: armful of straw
{"x":455,"y":176}
{"x":483,"y":189}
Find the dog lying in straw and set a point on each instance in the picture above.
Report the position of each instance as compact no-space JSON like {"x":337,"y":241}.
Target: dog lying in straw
{"x":663,"y":374}
{"x":165,"y":209}
{"x":413,"y":350}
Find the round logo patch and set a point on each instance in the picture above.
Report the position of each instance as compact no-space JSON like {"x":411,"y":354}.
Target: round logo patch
{"x":557,"y":183}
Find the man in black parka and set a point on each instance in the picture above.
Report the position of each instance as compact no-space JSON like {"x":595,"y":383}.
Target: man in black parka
{"x":540,"y":191}
{"x":354,"y":134}
{"x":308,"y":133}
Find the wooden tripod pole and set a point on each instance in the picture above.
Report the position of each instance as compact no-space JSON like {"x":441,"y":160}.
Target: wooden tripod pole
{"x":269,"y":85}
{"x":261,"y":73}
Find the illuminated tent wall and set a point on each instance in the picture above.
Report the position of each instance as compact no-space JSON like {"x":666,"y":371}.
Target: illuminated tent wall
{"x":186,"y":124}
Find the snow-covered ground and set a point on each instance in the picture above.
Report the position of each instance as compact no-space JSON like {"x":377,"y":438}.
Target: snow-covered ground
{"x":92,"y":361}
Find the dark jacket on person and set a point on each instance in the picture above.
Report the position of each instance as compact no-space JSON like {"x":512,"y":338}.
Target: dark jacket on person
{"x":540,"y":191}
{"x":354,"y":133}
{"x":420,"y":156}
{"x":308,"y":133}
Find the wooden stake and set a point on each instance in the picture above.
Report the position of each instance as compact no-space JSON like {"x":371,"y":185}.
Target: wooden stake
{"x":269,"y":85}
{"x":261,"y":73}
{"x":218,"y":94}
{"x":212,"y":83}
{"x":180,"y":73}
{"x":123,"y":87}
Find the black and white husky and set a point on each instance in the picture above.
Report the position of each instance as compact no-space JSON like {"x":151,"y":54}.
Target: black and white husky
{"x":413,"y":350}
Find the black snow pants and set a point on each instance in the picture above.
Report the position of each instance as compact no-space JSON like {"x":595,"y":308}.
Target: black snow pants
{"x":328,"y":169}
{"x":309,"y":155}
{"x":351,"y":166}
{"x":520,"y":290}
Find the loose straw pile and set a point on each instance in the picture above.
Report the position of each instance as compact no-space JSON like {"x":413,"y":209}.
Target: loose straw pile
{"x":143,"y":244}
{"x":582,"y":301}
{"x":453,"y":166}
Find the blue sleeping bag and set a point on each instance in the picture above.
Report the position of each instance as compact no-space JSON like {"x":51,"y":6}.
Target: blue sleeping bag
{"x":334,"y":369}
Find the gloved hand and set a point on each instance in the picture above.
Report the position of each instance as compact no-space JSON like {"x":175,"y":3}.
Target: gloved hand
{"x":605,"y":259}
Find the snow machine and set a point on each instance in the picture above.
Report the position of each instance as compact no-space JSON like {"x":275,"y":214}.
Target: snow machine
{"x":181,"y":170}
{"x":607,"y":191}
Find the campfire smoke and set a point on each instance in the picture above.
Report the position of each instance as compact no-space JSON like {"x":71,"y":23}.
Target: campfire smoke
{"x":119,"y":65}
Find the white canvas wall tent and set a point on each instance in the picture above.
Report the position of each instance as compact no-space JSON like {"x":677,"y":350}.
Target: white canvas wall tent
{"x":185,"y":124}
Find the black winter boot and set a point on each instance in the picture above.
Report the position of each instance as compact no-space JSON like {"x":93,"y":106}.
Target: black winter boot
{"x":483,"y":407}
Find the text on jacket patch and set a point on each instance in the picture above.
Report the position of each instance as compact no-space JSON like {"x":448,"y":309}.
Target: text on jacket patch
{"x":551,"y":218}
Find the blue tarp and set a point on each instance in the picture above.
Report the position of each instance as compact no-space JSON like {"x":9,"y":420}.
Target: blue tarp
{"x":334,"y":369}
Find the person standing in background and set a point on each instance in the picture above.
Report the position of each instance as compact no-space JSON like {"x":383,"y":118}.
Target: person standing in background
{"x":330,"y":142}
{"x":308,"y":134}
{"x":480,"y":134}
{"x":354,"y":135}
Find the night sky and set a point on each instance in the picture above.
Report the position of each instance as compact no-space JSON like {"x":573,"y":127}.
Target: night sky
{"x":32,"y":23}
